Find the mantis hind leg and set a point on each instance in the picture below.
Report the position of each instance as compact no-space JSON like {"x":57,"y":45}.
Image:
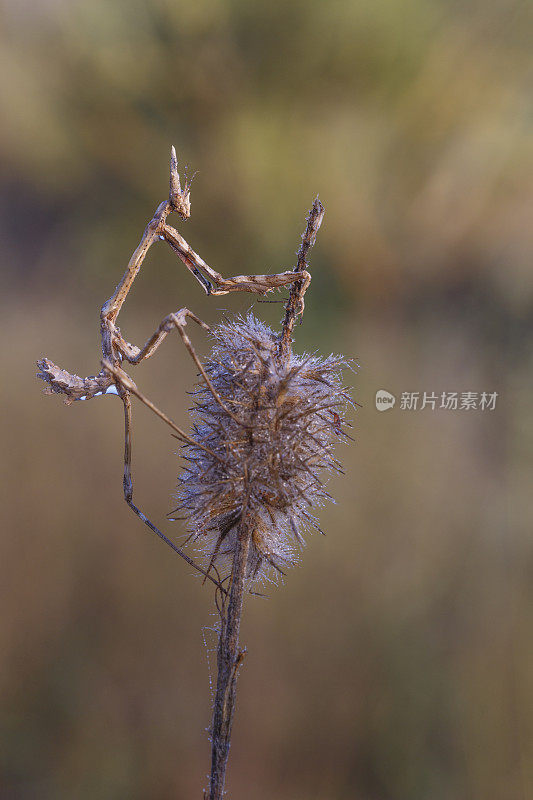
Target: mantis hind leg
{"x":128,"y":492}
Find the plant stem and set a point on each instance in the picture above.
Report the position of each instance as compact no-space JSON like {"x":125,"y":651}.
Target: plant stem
{"x":229,"y":659}
{"x":295,"y":303}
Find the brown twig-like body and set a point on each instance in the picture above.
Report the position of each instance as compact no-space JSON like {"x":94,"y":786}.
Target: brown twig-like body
{"x":116,"y":350}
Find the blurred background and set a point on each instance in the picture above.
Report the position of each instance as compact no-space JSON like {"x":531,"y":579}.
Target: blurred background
{"x":397,"y":662}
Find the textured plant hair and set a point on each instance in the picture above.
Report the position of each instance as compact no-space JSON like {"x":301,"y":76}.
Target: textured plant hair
{"x":266,"y":446}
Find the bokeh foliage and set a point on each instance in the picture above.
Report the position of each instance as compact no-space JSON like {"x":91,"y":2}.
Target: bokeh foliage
{"x":396,"y":663}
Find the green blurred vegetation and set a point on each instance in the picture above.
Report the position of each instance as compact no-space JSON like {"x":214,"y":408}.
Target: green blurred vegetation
{"x":397,"y":662}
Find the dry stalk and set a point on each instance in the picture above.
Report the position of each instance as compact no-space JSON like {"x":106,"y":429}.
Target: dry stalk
{"x":229,"y":654}
{"x":295,"y":303}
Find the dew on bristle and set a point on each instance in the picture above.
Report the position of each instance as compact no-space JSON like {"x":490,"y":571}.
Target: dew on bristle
{"x":271,"y":457}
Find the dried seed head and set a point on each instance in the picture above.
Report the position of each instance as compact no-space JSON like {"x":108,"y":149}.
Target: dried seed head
{"x":268,"y":454}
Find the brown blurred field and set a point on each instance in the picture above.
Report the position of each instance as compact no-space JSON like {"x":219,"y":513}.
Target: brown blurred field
{"x":397,"y":662}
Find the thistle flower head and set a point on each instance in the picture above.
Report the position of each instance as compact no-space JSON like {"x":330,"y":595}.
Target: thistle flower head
{"x":264,"y":447}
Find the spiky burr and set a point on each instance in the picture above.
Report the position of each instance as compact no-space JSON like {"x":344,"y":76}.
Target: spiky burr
{"x":269,"y":456}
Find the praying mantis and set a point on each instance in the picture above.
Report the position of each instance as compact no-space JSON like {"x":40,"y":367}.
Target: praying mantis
{"x":117,"y":351}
